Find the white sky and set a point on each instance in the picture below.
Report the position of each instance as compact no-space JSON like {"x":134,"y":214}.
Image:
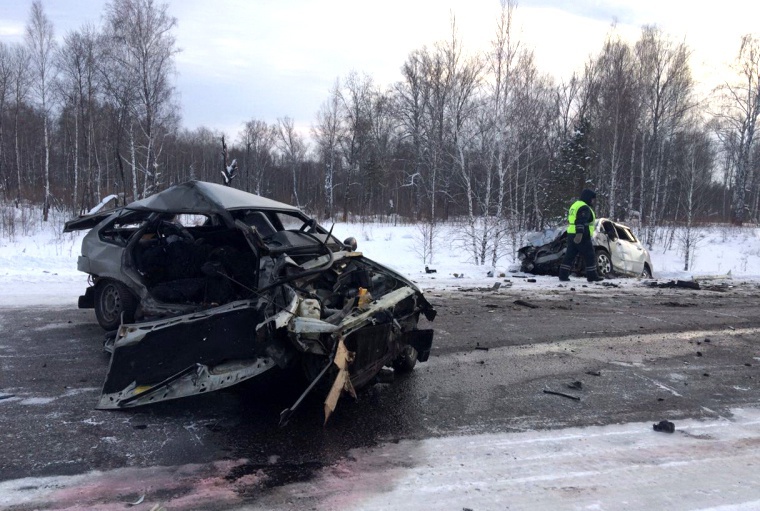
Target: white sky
{"x":268,"y":59}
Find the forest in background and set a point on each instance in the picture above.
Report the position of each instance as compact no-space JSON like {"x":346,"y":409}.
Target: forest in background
{"x":482,"y":138}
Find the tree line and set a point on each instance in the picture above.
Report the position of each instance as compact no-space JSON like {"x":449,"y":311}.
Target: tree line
{"x":483,"y":138}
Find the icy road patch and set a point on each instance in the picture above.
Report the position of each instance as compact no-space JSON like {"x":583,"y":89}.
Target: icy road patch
{"x":706,"y":465}
{"x":703,"y":465}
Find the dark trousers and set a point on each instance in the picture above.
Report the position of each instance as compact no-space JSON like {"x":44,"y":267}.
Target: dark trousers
{"x":586,"y":250}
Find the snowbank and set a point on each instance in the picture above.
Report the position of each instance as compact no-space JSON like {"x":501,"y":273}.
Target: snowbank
{"x":39,"y":268}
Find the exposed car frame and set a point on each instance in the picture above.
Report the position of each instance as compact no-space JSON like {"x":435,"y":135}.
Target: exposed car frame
{"x":257,"y":285}
{"x":618,"y":252}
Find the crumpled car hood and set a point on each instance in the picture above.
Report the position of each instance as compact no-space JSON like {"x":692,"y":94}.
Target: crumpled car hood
{"x":220,"y":347}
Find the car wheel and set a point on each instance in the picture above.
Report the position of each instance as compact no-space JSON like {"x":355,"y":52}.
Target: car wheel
{"x":603,"y":263}
{"x":112,"y":298}
{"x":406,"y":360}
{"x":646,"y":273}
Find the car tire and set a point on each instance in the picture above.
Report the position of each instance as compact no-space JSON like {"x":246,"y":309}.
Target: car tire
{"x":646,"y":273}
{"x":603,"y":263}
{"x":112,"y":299}
{"x":406,"y":360}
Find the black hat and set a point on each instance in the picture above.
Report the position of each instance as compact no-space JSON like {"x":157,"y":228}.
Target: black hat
{"x":588,"y":195}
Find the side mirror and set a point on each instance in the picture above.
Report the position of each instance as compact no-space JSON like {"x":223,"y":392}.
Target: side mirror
{"x":350,"y":242}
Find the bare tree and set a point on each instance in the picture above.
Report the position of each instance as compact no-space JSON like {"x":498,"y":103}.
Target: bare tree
{"x":411,"y":98}
{"x":356,"y":100}
{"x":293,"y":149}
{"x":694,"y":176}
{"x":79,"y":87}
{"x":21,"y":78}
{"x":142,"y":47}
{"x":501,"y":60}
{"x":738,"y":116}
{"x":328,"y":133}
{"x":6,"y":86}
{"x":39,"y":38}
{"x":258,"y":139}
{"x":666,"y":87}
{"x":616,"y":115}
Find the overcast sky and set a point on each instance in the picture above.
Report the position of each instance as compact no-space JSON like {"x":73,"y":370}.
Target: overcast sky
{"x":267,"y":59}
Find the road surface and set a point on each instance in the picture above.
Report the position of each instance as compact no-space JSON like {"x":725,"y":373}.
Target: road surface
{"x":641,"y":354}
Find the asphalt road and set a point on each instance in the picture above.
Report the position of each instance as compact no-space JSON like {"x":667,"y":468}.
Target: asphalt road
{"x":642,"y":354}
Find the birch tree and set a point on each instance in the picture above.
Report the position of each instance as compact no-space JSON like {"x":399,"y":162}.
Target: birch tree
{"x":39,"y":38}
{"x":738,"y":116}
{"x":259,"y":140}
{"x":6,"y":87}
{"x":20,"y":79}
{"x":293,"y":150}
{"x":412,"y":96}
{"x":500,"y":62}
{"x":142,"y":48}
{"x":79,"y":85}
{"x":666,"y":87}
{"x":328,"y":133}
{"x":356,"y":97}
{"x":694,"y":176}
{"x":616,"y":116}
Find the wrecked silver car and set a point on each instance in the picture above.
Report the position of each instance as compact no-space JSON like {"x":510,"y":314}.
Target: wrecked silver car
{"x":207,"y":286}
{"x":618,"y":252}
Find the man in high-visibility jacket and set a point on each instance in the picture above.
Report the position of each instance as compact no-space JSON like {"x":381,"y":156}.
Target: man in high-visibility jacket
{"x":580,"y":230}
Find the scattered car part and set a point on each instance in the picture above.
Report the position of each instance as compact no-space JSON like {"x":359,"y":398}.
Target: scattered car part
{"x":574,"y":398}
{"x":664,"y":427}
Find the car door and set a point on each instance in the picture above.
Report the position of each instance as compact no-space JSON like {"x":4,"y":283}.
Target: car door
{"x":617,"y":251}
{"x":634,"y":251}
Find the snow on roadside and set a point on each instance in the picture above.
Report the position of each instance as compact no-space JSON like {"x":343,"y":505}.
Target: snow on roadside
{"x":40,"y":269}
{"x":720,"y":250}
{"x":703,"y":465}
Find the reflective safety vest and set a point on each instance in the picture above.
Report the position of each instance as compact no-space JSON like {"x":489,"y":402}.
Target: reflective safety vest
{"x":572,"y":214}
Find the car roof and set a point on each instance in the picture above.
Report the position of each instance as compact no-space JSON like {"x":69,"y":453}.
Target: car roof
{"x":203,"y":197}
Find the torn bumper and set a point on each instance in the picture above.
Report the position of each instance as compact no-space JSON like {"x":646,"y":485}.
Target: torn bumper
{"x":221,"y":347}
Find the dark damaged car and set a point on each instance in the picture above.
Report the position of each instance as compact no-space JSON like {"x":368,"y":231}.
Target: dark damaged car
{"x":205,"y":286}
{"x":618,"y":252}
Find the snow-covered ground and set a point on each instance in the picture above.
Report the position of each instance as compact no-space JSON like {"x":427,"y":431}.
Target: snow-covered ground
{"x":39,"y":268}
{"x":705,"y":465}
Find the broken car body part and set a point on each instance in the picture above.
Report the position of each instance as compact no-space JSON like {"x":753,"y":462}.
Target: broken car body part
{"x":208,"y":286}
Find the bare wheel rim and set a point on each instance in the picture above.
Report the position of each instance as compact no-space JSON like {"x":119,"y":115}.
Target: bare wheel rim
{"x":603,"y":263}
{"x":110,"y":303}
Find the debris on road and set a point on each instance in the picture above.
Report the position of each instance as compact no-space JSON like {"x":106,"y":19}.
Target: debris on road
{"x":526,"y":304}
{"x":574,"y":398}
{"x":678,"y":304}
{"x":576,"y":385}
{"x":725,"y":276}
{"x":138,"y":501}
{"x":664,"y":427}
{"x":594,"y":373}
{"x":672,"y":284}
